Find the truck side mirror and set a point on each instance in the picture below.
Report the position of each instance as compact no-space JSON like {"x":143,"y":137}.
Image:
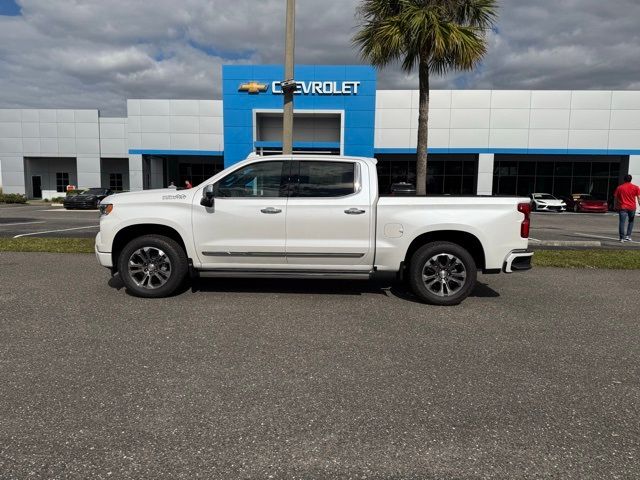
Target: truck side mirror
{"x":208,"y":195}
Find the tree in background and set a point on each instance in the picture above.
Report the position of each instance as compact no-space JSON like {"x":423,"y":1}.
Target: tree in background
{"x":434,"y":36}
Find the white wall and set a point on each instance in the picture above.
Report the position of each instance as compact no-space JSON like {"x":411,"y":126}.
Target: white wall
{"x":175,"y":125}
{"x":56,"y":133}
{"x":512,"y":119}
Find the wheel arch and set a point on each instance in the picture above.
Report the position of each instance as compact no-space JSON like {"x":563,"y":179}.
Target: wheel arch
{"x":464,"y":239}
{"x":126,"y":234}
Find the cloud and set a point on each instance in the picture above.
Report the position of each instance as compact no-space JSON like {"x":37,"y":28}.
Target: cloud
{"x":96,"y":53}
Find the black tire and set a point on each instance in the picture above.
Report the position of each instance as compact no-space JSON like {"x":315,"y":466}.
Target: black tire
{"x":443,"y":251}
{"x":178,"y":266}
{"x":576,"y":208}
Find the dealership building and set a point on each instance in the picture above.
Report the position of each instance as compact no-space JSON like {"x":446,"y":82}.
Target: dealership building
{"x":480,"y":141}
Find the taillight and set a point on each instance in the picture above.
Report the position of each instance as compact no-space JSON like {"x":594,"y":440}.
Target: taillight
{"x":525,"y":208}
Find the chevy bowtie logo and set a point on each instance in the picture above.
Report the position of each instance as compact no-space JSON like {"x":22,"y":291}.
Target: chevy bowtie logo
{"x":253,"y":87}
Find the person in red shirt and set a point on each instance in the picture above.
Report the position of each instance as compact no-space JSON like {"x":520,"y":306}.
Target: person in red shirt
{"x":626,"y":197}
{"x":187,"y":184}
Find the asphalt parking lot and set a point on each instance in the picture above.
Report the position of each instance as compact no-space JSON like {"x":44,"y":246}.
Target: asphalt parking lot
{"x":46,"y":221}
{"x":536,"y":375}
{"x":43,"y":220}
{"x":578,"y":227}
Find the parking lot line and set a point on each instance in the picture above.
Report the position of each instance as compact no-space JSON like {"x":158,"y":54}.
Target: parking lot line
{"x":65,"y":210}
{"x":600,"y":236}
{"x":18,"y":223}
{"x":54,"y":231}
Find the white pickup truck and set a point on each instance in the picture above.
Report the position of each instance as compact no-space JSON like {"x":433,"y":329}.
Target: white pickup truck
{"x":305,"y":216}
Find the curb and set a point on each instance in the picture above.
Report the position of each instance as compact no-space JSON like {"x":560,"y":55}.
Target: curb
{"x":566,"y":243}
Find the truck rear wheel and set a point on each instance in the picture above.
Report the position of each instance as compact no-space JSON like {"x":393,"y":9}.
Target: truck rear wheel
{"x":442,"y":273}
{"x":152,"y":266}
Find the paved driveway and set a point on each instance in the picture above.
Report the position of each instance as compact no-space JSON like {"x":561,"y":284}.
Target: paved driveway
{"x":534,"y":376}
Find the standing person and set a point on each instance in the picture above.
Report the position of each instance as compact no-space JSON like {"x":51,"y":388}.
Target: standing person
{"x":187,"y":184}
{"x":626,"y":196}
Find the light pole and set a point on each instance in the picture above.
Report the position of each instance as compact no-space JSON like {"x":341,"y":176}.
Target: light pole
{"x":288,"y":86}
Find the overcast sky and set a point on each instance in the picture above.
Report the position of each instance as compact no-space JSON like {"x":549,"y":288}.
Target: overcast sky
{"x":97,"y":53}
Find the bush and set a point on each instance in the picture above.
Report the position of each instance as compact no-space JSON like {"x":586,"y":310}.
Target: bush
{"x":71,"y":193}
{"x":57,"y":199}
{"x":12,"y":198}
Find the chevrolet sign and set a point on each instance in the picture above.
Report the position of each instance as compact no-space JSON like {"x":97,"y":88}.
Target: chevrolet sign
{"x":321,"y":88}
{"x":253,"y":87}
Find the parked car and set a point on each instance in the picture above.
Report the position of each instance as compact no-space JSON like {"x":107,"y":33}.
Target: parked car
{"x":587,"y":203}
{"x":309,"y":217}
{"x":545,"y":202}
{"x":87,"y":199}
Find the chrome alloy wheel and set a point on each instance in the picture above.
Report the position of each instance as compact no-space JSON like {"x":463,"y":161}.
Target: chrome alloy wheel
{"x":444,"y":274}
{"x":149,"y":267}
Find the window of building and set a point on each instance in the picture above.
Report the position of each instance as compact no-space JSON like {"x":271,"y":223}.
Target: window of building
{"x":557,"y":175}
{"x":325,"y":179}
{"x":453,"y":174}
{"x":262,"y":179}
{"x":178,"y":168}
{"x":62,"y":180}
{"x":115,"y":182}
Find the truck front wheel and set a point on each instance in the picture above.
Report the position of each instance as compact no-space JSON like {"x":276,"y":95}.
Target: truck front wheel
{"x":152,"y":266}
{"x":442,"y":273}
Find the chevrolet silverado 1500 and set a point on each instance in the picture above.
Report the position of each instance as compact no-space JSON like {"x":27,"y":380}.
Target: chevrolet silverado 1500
{"x":305,"y":216}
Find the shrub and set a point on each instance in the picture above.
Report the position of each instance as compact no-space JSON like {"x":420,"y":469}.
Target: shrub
{"x":57,"y":199}
{"x":12,"y":198}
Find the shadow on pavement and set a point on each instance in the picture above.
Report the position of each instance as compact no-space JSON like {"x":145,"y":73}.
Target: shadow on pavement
{"x":276,"y":285}
{"x":305,"y":287}
{"x":482,"y":290}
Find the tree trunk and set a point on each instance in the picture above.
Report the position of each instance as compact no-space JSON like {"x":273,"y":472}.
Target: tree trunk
{"x":423,"y":129}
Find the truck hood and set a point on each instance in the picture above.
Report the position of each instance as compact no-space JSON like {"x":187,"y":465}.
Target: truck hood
{"x":157,"y":196}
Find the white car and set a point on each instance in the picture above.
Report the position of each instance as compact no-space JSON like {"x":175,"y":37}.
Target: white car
{"x":305,"y":216}
{"x":545,"y":202}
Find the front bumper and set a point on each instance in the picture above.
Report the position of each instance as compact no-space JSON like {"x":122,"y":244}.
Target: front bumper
{"x":104,"y":258}
{"x":585,"y":209}
{"x":551,"y":208}
{"x":517,"y":261}
{"x":83,"y":205}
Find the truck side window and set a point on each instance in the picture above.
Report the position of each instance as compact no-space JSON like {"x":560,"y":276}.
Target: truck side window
{"x":325,"y":179}
{"x":263,"y":179}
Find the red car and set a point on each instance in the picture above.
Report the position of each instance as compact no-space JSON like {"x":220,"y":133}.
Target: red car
{"x":586,"y":203}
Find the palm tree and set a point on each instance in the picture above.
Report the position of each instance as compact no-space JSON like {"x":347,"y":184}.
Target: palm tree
{"x":436,"y":36}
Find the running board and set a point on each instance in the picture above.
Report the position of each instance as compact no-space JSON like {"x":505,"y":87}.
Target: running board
{"x":323,"y":274}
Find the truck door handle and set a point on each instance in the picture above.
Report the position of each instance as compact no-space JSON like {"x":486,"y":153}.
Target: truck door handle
{"x":271,"y":210}
{"x":353,"y":211}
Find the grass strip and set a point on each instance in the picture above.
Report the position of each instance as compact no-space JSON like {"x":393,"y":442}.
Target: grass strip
{"x":47,"y":244}
{"x":604,"y":259}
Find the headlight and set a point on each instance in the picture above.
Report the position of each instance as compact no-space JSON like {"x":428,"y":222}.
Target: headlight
{"x":105,"y":208}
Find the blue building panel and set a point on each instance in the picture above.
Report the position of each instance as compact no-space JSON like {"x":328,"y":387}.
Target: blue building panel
{"x":349,"y":89}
